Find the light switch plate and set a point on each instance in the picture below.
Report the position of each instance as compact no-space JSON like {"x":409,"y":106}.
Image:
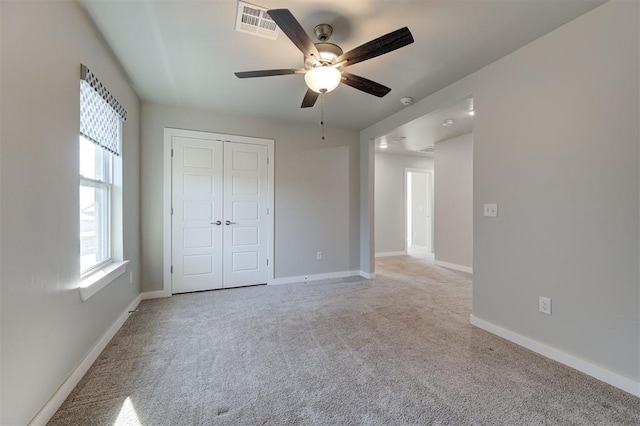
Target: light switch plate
{"x":491,"y":210}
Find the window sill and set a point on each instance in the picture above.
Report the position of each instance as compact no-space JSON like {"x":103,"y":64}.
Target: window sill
{"x":101,"y":278}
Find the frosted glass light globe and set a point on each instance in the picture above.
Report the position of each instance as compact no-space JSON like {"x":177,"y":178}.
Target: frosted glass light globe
{"x":322,"y":79}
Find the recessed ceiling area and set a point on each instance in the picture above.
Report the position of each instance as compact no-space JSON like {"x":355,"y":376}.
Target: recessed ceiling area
{"x":185,"y":53}
{"x":424,"y":132}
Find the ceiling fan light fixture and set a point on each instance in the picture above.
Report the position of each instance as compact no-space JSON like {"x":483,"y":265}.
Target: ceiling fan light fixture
{"x":327,"y":56}
{"x":328,"y":51}
{"x":324,"y":61}
{"x":322,"y":79}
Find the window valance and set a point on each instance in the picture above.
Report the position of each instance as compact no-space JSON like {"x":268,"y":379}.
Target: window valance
{"x":100,"y":113}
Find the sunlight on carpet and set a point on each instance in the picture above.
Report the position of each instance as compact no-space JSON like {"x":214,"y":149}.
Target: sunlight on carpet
{"x":127,"y":415}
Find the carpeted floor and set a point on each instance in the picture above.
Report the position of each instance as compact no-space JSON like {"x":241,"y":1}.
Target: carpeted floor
{"x":398,"y":350}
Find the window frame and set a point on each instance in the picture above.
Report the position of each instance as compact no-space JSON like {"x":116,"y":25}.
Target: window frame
{"x":106,"y":184}
{"x":106,"y":228}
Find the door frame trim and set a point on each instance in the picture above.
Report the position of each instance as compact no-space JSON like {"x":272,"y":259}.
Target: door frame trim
{"x":169,"y":133}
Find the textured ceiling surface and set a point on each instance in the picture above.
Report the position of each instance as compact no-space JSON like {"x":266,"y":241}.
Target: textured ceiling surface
{"x":184,"y":53}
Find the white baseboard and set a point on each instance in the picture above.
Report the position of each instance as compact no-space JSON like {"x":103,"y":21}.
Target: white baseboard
{"x":158,"y":294}
{"x":593,"y":370}
{"x":391,"y":253}
{"x":315,"y":277}
{"x":367,"y":275}
{"x":50,"y":408}
{"x":454,"y":266}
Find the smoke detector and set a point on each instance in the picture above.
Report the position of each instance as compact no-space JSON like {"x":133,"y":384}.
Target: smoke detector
{"x":406,"y":101}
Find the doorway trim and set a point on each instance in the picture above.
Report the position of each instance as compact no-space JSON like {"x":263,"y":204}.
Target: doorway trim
{"x":169,"y":133}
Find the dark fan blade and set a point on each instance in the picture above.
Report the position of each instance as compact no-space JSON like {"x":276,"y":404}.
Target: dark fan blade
{"x":267,"y":73}
{"x":385,"y":44}
{"x":361,"y":83}
{"x":309,"y":99}
{"x":292,"y":28}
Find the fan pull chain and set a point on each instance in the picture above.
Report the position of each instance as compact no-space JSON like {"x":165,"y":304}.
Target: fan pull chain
{"x":322,"y":113}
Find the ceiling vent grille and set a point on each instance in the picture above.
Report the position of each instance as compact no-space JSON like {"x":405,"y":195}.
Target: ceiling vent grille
{"x":255,"y":20}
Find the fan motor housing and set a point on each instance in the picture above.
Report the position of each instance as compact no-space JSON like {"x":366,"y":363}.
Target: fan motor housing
{"x":328,"y":53}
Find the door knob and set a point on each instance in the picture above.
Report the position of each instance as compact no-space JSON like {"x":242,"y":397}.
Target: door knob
{"x":228,"y":222}
{"x":217,"y":222}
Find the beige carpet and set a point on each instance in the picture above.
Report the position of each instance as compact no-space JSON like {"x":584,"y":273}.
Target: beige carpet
{"x":398,"y":350}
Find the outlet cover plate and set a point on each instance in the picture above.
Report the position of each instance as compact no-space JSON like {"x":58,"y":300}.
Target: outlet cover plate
{"x":491,"y":210}
{"x":544,"y":305}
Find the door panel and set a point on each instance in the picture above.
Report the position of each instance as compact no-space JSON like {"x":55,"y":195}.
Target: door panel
{"x":245,"y":207}
{"x":245,"y":236}
{"x":247,"y":261}
{"x":198,"y":265}
{"x":245,"y":210}
{"x":197,"y":200}
{"x":197,"y":237}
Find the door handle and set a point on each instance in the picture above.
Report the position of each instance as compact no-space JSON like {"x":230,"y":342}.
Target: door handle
{"x":217,"y":222}
{"x":228,"y":222}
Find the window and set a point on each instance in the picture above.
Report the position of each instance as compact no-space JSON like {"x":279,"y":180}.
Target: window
{"x":96,"y":183}
{"x":100,"y":176}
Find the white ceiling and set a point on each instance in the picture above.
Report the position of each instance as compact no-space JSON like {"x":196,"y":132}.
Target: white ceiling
{"x":184,"y":53}
{"x":428,"y":130}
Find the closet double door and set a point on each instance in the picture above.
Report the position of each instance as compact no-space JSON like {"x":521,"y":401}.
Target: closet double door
{"x":219,"y":214}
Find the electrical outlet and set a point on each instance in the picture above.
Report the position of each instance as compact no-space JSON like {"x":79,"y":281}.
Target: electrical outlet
{"x":130,"y":277}
{"x":491,"y":210}
{"x":319,"y":255}
{"x":544,"y":305}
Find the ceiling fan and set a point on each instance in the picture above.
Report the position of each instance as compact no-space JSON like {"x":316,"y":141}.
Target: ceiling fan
{"x":324,"y":62}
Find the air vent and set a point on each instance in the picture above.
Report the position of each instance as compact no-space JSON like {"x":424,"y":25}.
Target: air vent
{"x":255,"y":20}
{"x":428,"y":150}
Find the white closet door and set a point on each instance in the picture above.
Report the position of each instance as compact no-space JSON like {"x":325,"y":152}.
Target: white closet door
{"x":197,"y":200}
{"x":245,"y":214}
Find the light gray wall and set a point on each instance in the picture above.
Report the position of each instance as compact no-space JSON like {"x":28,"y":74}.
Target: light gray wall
{"x":389,"y":198}
{"x":316,"y":189}
{"x":46,"y":329}
{"x":453,"y":214}
{"x":556,"y":146}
